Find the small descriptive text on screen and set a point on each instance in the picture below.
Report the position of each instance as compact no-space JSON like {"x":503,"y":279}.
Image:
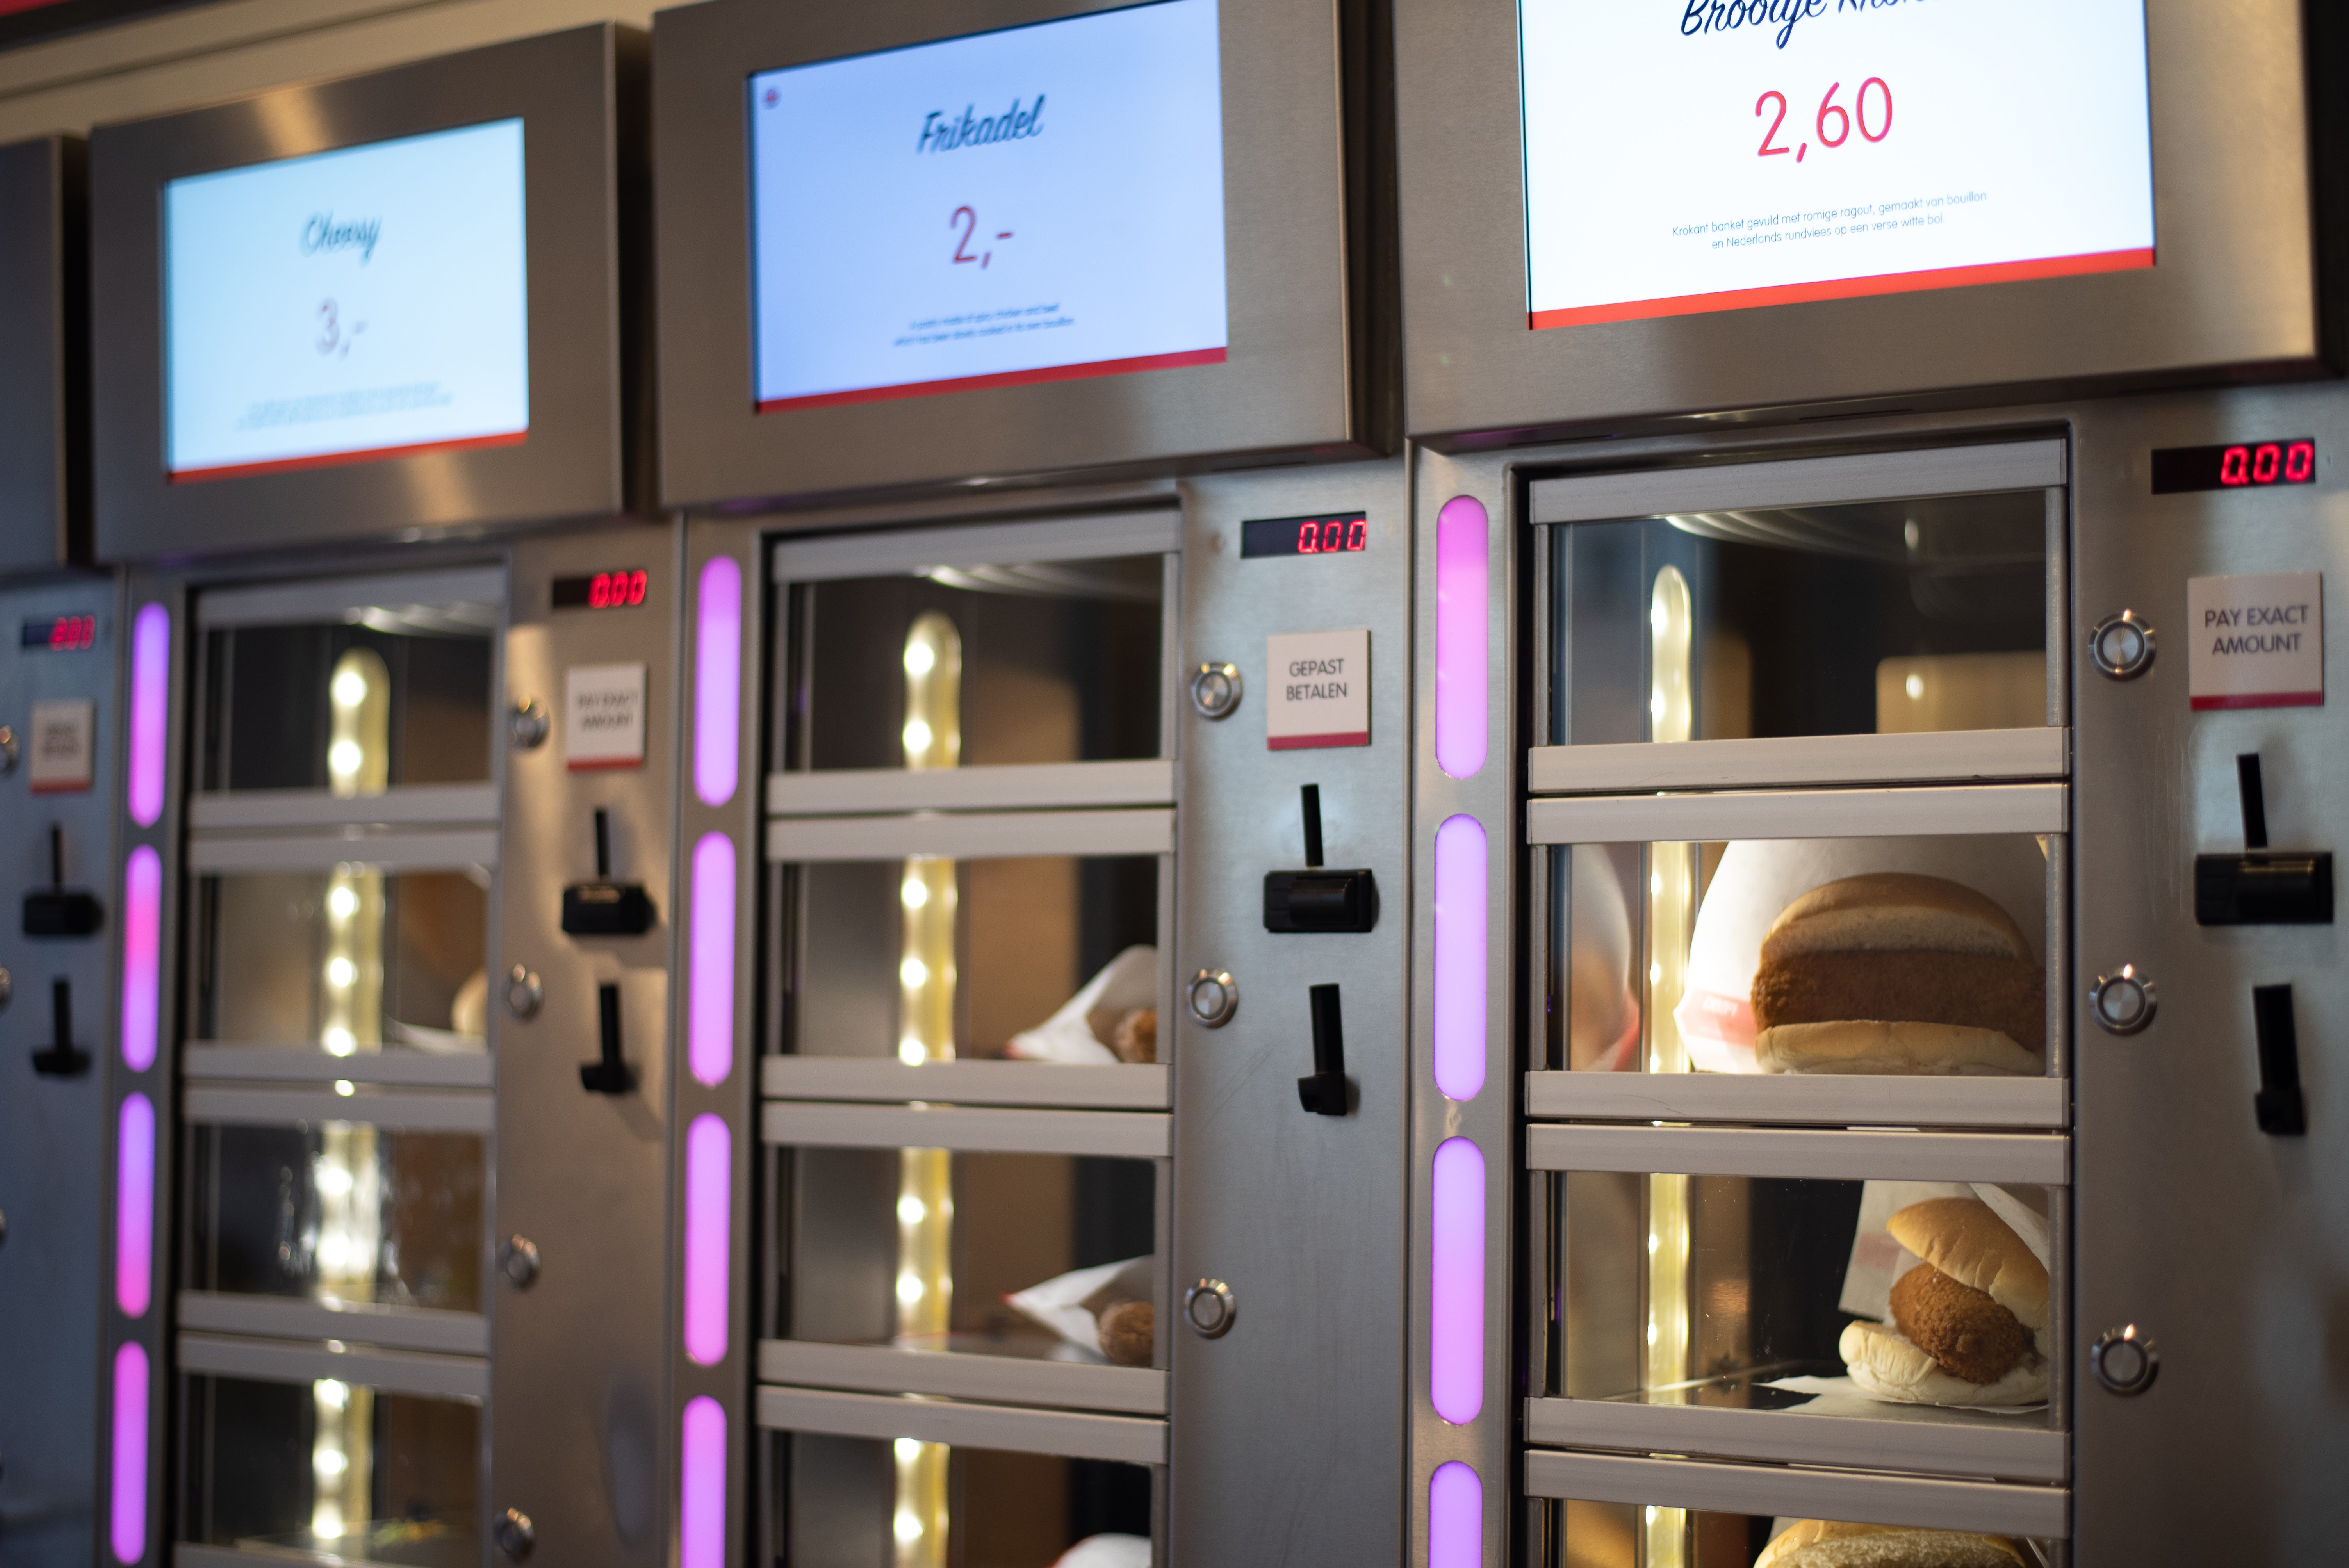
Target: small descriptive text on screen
{"x":982,"y":324}
{"x":1829,"y":223}
{"x":272,"y":413}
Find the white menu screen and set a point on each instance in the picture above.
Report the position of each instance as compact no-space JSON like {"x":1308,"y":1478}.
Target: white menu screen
{"x":1036,"y":204}
{"x":361,"y":303}
{"x":1703,"y":155}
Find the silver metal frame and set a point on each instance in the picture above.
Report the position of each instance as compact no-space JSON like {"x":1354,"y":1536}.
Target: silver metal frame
{"x":1827,"y":1099}
{"x":1958,"y":756}
{"x":2236,"y":286}
{"x":1003,"y":1379}
{"x":393,"y":1110}
{"x":832,"y":1124}
{"x":1127,"y":1439}
{"x":278,"y":1317}
{"x":1148,"y":830}
{"x":2034,"y":1512}
{"x":1124,"y":1087}
{"x":577,"y":90}
{"x":465,"y":1378}
{"x":44,"y":480}
{"x":1310,"y":310}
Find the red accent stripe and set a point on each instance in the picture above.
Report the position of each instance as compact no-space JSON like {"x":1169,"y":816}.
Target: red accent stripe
{"x":336,"y":459}
{"x":1002,"y":378}
{"x":1845,"y":288}
{"x":80,"y":788}
{"x":10,"y":8}
{"x":2259,"y":700}
{"x":1306,"y":742}
{"x":604,"y":765}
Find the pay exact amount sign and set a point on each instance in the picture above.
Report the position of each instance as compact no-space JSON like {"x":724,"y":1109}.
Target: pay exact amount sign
{"x":1703,"y":155}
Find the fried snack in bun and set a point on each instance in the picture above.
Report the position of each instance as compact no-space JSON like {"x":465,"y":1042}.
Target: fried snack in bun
{"x":1823,"y":1543}
{"x":1967,"y":1323}
{"x":1896,"y":972}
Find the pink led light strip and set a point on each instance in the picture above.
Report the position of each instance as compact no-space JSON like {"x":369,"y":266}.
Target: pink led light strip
{"x":709,"y":983}
{"x":1456,"y":1517}
{"x":701,"y":1511}
{"x":151,"y":692}
{"x":127,"y":1510}
{"x":1460,"y":952}
{"x":708,"y":1210}
{"x":1463,"y":636}
{"x":1455,"y":1306}
{"x":717,"y":681}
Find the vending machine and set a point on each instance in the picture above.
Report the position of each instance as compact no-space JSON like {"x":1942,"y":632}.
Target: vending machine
{"x":59,"y":621}
{"x":1027,"y":375}
{"x":387,"y":1100}
{"x":1875,"y":1095}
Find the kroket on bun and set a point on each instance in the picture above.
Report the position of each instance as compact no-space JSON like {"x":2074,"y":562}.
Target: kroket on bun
{"x":1895,"y":973}
{"x":1826,"y":1544}
{"x":1968,"y":1324}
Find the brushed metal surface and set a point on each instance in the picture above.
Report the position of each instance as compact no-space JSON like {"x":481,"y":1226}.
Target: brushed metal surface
{"x":407,"y":804}
{"x":577,"y":92}
{"x":1132,"y":831}
{"x":43,"y":449}
{"x":1895,"y":812}
{"x":2032,"y":1512}
{"x":580,"y":1439}
{"x":291,"y":1061}
{"x":54,"y":1131}
{"x":987,"y":1130}
{"x":2037,"y":1159}
{"x":1009,"y":1379}
{"x":1149,"y":528}
{"x":1301,"y":265}
{"x":1144,"y":781}
{"x":280,"y":1361}
{"x":1128,"y":1086}
{"x":1833,"y":1099}
{"x":1956,"y":755}
{"x":1129,"y":1440}
{"x":391,"y":851}
{"x":1288,"y":1431}
{"x":390,"y":1327}
{"x":1797,"y":481}
{"x":2171,"y":1166}
{"x":2235,"y":285}
{"x":1921,"y":1437}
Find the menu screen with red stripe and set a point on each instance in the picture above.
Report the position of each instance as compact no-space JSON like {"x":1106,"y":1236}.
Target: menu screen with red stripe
{"x":1709,"y":155}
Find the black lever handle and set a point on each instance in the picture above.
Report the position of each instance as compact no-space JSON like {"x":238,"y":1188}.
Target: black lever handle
{"x":607,"y":1074}
{"x":2281,"y":1110}
{"x":61,"y":1059}
{"x":56,"y":856}
{"x":1311,"y":796}
{"x":2255,"y":800}
{"x":1323,"y":1091}
{"x":603,"y":845}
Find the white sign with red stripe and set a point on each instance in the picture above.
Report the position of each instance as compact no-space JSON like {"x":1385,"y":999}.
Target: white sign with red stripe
{"x":2258,"y":641}
{"x":604,"y":717}
{"x":62,"y":747}
{"x":1320,"y":689}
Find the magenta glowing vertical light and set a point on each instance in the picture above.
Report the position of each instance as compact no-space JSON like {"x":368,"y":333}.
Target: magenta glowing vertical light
{"x":142,"y":919}
{"x":709,"y":981}
{"x":717,"y":681}
{"x":709,"y":1216}
{"x":150,"y":696}
{"x":1456,"y":1517}
{"x":701,"y":1512}
{"x":134,"y":1205}
{"x":1455,"y":1304}
{"x":1462,"y":627}
{"x":1459,"y":970}
{"x":126,"y":1492}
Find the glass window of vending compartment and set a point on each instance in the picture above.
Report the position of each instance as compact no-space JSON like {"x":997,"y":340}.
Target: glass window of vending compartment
{"x":987,"y":957}
{"x":324,"y":1471}
{"x":1869,"y":617}
{"x":353,"y":960}
{"x":1930,"y":956}
{"x":354,"y":689}
{"x":344,"y":1214}
{"x":1900,"y":1323}
{"x":1028,"y":660}
{"x":1036,"y":1258}
{"x":876,"y":1502}
{"x":1958,"y":1525}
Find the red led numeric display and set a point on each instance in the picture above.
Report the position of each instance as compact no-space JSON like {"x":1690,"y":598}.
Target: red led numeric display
{"x":616,"y":590}
{"x":60,"y":634}
{"x":2240,"y":464}
{"x":1335,"y":534}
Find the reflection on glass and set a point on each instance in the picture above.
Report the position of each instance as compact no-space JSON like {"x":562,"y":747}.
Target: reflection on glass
{"x":337,"y":1211}
{"x":1881,"y":616}
{"x":1624,"y":1536}
{"x":297,"y":707}
{"x":1881,"y":955}
{"x":1057,"y":662}
{"x":1009,"y":1510}
{"x":1895,"y":1300}
{"x":330,"y":1472}
{"x":351,"y":960}
{"x":1043,"y":1253}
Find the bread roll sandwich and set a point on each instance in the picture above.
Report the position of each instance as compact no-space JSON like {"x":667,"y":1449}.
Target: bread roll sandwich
{"x":1968,"y":1323}
{"x":1895,"y":973}
{"x":1823,"y":1543}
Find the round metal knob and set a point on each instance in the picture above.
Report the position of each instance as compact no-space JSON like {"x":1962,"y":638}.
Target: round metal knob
{"x":1216,"y":690}
{"x":2123,"y":1361}
{"x":517,"y":1536}
{"x":2122,"y":1002}
{"x":1213,"y":997}
{"x":2121,"y":646}
{"x":8,"y":750}
{"x":527,"y":726}
{"x":1209,"y":1308}
{"x":518,"y":1261}
{"x":524,"y":993}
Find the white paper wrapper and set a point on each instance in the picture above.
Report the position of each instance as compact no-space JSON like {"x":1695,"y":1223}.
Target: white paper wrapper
{"x":1877,"y":1261}
{"x":1071,"y":1304}
{"x":1758,"y":878}
{"x":1106,"y":1552}
{"x":1074,"y":1034}
{"x":1842,"y":1396}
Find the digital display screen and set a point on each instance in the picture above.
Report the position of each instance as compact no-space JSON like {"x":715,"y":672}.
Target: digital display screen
{"x":59,"y":634}
{"x":2245,"y":465}
{"x":1331,"y":533}
{"x":1708,"y":155}
{"x":1041,"y":204}
{"x":600,"y":591}
{"x":366,"y":303}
